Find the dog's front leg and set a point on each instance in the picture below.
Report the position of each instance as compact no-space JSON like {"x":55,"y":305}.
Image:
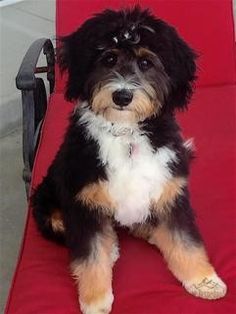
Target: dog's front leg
{"x":94,"y":249}
{"x":189,"y":263}
{"x":178,"y":239}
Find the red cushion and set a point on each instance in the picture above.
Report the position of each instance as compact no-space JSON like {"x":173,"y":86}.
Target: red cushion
{"x":206,"y":25}
{"x":142,"y":284}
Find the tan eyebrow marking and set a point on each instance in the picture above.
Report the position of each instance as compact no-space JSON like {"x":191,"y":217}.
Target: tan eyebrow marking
{"x":143,"y":52}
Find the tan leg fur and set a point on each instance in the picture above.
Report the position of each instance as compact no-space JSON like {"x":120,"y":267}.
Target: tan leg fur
{"x":189,"y":263}
{"x":94,"y":276}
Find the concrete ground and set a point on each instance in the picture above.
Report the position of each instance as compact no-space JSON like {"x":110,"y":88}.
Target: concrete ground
{"x":13,"y":208}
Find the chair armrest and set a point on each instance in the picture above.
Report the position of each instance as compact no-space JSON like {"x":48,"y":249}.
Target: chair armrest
{"x":34,"y":99}
{"x":26,"y":79}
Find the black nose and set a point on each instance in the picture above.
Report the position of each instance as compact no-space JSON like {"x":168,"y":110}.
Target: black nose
{"x":122,"y":97}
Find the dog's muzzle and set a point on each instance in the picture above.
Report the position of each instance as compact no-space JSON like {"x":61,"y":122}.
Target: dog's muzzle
{"x":122,"y":97}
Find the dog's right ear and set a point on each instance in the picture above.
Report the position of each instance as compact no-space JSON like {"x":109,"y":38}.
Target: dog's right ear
{"x":75,"y":56}
{"x":63,"y":52}
{"x":67,"y":58}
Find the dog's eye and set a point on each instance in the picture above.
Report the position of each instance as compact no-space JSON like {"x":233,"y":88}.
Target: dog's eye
{"x":110,"y":60}
{"x":144,"y":64}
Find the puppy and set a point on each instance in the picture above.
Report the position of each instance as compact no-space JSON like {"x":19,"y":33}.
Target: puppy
{"x":123,"y":160}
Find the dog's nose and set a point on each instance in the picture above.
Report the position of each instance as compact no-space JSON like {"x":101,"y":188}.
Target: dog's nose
{"x":122,"y":97}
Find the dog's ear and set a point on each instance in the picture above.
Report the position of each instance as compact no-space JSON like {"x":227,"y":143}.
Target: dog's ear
{"x":179,"y":62}
{"x":66,"y":58}
{"x":183,"y":73}
{"x":73,"y":56}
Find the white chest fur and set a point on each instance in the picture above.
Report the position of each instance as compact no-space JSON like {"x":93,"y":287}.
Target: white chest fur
{"x":136,"y":174}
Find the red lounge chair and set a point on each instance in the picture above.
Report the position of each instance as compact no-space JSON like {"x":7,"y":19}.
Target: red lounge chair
{"x":142,"y":283}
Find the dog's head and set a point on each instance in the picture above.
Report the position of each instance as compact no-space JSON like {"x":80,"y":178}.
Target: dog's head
{"x":127,"y":65}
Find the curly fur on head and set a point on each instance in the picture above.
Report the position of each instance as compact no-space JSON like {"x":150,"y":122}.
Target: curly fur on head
{"x":81,"y":51}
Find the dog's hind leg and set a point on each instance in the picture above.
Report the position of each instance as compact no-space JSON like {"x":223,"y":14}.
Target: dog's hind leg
{"x":47,"y":213}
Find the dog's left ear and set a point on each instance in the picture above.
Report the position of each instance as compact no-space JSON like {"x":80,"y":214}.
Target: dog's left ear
{"x":179,"y":62}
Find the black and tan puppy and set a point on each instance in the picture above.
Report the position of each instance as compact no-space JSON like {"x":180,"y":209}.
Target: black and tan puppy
{"x":123,"y":160}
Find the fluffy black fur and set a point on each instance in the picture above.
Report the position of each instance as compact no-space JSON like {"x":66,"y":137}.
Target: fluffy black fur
{"x":77,"y":162}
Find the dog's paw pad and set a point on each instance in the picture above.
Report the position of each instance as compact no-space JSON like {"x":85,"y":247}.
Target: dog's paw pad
{"x":211,"y":287}
{"x":101,"y":306}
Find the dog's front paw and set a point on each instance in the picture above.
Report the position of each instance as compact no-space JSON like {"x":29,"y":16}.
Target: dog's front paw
{"x":210,"y":287}
{"x":102,"y":305}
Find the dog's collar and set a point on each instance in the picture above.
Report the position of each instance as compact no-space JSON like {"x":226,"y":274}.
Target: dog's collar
{"x":121,"y":131}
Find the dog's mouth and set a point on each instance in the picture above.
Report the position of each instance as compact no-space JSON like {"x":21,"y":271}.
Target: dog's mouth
{"x":121,"y":108}
{"x":116,"y":114}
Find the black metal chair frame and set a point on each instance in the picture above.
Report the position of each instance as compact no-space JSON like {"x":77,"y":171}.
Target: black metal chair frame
{"x":34,"y":99}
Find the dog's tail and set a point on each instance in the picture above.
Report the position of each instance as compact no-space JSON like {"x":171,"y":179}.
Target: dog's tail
{"x":47,"y":213}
